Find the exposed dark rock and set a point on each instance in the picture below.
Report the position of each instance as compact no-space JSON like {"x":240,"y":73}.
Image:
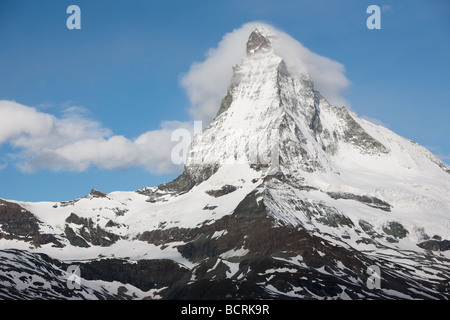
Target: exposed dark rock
{"x":111,"y":224}
{"x":289,"y":180}
{"x":97,"y":194}
{"x":316,"y":125}
{"x":74,"y":239}
{"x":182,"y":183}
{"x":120,"y":212}
{"x":20,"y":224}
{"x":73,"y":218}
{"x":66,"y":203}
{"x":191,"y":176}
{"x":367,"y":227}
{"x":98,"y":237}
{"x":370,"y":201}
{"x":209,"y":207}
{"x":435,"y":245}
{"x":395,"y":229}
{"x":258,"y":166}
{"x":357,"y":136}
{"x":257,"y":41}
{"x":226,"y":102}
{"x":143,"y":274}
{"x":335,"y":219}
{"x":45,"y":238}
{"x":89,"y":232}
{"x":17,"y":221}
{"x":226,"y":189}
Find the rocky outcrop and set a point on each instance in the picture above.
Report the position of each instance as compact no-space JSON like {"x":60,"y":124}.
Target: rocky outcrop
{"x":369,"y":201}
{"x":20,"y":224}
{"x":395,"y":229}
{"x":258,"y":41}
{"x":435,"y":245}
{"x":226,"y":189}
{"x":190,"y":177}
{"x":143,"y":274}
{"x":87,"y":232}
{"x":97,"y":194}
{"x":357,"y":136}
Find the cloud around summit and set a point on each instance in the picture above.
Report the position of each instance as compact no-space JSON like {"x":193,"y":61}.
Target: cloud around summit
{"x":206,"y":82}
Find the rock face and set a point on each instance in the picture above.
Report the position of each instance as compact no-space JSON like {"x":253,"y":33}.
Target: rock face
{"x":16,"y":223}
{"x":88,"y":232}
{"x":259,"y":41}
{"x":283,"y":196}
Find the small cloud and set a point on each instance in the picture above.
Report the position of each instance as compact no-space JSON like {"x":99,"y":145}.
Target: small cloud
{"x":386,"y":8}
{"x":443,"y":157}
{"x":73,"y":111}
{"x":45,"y":105}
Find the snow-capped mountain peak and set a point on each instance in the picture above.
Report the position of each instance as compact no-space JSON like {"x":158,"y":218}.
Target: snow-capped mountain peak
{"x":260,"y":41}
{"x":283,"y":195}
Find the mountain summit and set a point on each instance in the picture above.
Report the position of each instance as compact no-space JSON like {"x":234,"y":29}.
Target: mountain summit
{"x":282,"y":196}
{"x":259,"y":40}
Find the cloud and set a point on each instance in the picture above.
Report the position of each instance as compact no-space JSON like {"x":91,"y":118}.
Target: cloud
{"x":75,"y":143}
{"x":206,"y":82}
{"x":444,"y":157}
{"x":386,"y":8}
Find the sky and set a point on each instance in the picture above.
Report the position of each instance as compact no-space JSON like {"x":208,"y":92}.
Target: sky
{"x":95,"y":107}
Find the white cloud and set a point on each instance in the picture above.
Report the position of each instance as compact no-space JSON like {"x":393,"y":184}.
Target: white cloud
{"x":206,"y":82}
{"x":386,"y":8}
{"x":444,"y":157}
{"x":75,"y":143}
{"x":328,"y":75}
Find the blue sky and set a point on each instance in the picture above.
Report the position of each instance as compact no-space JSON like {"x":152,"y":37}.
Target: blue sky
{"x":121,"y":74}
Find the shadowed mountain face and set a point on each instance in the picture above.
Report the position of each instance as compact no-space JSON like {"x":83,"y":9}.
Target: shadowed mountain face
{"x":283,"y":196}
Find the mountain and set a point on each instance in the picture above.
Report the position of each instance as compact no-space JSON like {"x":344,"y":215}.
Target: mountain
{"x":283,"y":196}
